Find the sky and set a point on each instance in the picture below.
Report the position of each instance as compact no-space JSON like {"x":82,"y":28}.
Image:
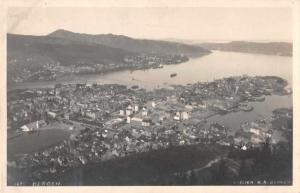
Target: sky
{"x":186,"y":23}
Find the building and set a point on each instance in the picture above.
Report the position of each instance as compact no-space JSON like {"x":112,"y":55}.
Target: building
{"x":153,"y":104}
{"x":189,"y":107}
{"x":136,"y":119}
{"x":128,"y":119}
{"x":129,"y":112}
{"x":92,"y":114}
{"x":180,"y":116}
{"x":113,"y":123}
{"x":255,"y":131}
{"x":202,"y":106}
{"x":184,"y":115}
{"x":146,"y":122}
{"x":122,"y":112}
{"x":33,"y":126}
{"x":177,"y":116}
{"x":144,"y":113}
{"x":52,"y":114}
{"x":136,"y":108}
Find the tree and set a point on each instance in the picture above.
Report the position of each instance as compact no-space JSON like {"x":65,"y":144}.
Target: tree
{"x":263,"y":159}
{"x":219,"y":174}
{"x":193,"y":178}
{"x":244,"y":171}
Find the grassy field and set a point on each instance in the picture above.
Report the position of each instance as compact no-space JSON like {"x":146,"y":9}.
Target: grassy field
{"x":47,"y":136}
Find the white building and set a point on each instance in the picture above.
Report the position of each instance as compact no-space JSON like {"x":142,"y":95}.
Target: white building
{"x":136,"y":108}
{"x":146,"y":122}
{"x":33,"y":126}
{"x":122,"y":112}
{"x":255,"y":131}
{"x":181,"y":116}
{"x":144,"y":113}
{"x":128,"y":112}
{"x":190,"y":107}
{"x":52,"y":114}
{"x":185,"y":115}
{"x":153,"y":104}
{"x":176,"y":117}
{"x":92,"y":114}
{"x":136,"y":119}
{"x":203,"y":106}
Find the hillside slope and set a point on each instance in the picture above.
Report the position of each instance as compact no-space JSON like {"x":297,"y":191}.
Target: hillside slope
{"x":133,"y":45}
{"x":269,"y":48}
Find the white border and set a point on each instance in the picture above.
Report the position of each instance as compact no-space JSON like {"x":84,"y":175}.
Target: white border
{"x":154,"y":3}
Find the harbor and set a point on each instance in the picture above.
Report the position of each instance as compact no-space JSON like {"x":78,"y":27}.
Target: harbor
{"x":193,"y":71}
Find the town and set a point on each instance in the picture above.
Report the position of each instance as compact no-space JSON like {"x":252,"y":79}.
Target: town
{"x":110,"y":121}
{"x":50,"y":70}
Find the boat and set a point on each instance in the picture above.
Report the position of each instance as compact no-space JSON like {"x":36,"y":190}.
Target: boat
{"x":245,"y":107}
{"x":236,"y":110}
{"x":260,"y":99}
{"x":135,"y":87}
{"x":173,"y":75}
{"x":248,"y":108}
{"x":159,"y":66}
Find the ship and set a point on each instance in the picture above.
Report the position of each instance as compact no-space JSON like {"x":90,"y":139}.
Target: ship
{"x":173,"y":75}
{"x":135,"y":87}
{"x":260,"y":99}
{"x":245,"y":107}
{"x":159,"y":66}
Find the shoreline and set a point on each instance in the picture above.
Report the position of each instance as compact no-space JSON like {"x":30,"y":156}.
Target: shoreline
{"x":253,"y":53}
{"x":103,"y":73}
{"x":105,"y":78}
{"x":118,"y":144}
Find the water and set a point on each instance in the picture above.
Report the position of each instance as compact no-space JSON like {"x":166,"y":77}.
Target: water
{"x":214,"y":66}
{"x":260,"y":110}
{"x":207,"y":68}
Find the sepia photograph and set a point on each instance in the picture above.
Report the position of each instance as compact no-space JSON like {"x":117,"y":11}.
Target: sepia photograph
{"x":149,"y":96}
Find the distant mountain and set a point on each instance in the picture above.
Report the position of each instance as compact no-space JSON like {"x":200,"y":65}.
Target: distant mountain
{"x":32,"y":58}
{"x":64,"y":51}
{"x":44,"y":58}
{"x":269,"y":48}
{"x":133,"y":45}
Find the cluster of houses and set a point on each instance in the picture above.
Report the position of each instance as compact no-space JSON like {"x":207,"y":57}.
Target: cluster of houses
{"x":33,"y":126}
{"x":151,"y":114}
{"x":253,"y":134}
{"x":130,"y":121}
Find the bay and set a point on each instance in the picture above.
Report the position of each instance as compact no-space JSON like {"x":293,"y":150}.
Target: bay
{"x":217,"y":65}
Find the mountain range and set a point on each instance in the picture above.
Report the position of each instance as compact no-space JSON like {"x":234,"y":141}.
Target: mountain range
{"x":133,"y":45}
{"x":63,"y":51}
{"x":269,"y":48}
